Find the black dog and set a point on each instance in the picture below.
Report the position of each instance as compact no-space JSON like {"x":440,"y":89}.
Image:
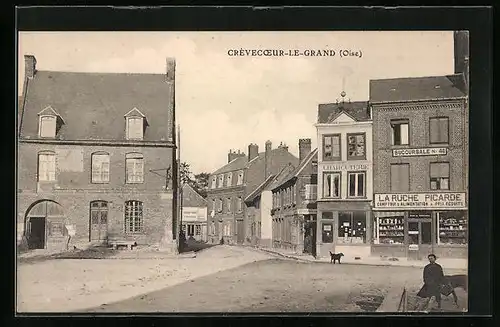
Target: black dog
{"x":335,"y":257}
{"x":456,"y":281}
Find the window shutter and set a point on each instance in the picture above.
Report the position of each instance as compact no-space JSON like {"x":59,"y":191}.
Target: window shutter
{"x":440,"y":169}
{"x":443,"y":130}
{"x":404,"y":133}
{"x":400,"y":179}
{"x":434,"y":130}
{"x":336,"y":146}
{"x":48,"y":126}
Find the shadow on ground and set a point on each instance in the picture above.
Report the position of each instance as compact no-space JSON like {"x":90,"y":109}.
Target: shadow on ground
{"x":195,"y":246}
{"x":96,"y":252}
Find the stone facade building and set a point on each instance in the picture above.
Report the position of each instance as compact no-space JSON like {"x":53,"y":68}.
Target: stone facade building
{"x":194,"y":214}
{"x":229,"y":185}
{"x":345,"y":166}
{"x":420,"y":133}
{"x":294,"y":196}
{"x":95,"y":153}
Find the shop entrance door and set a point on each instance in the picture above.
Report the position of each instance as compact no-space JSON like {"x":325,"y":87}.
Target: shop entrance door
{"x":419,"y":238}
{"x":240,"y":231}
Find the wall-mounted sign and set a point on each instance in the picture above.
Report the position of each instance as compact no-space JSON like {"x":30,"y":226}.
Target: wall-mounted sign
{"x":419,"y":152}
{"x":422,"y":201}
{"x":194,"y":214}
{"x":343,"y":166}
{"x":413,"y":247}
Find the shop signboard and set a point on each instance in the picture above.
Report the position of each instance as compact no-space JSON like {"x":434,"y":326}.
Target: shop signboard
{"x":413,"y":247}
{"x":421,"y":201}
{"x":194,"y":214}
{"x":419,"y":152}
{"x":347,"y":166}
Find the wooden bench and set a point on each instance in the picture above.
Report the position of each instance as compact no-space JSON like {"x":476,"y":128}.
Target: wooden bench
{"x":117,"y":243}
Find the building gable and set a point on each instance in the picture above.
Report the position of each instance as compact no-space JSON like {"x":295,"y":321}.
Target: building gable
{"x":340,"y":118}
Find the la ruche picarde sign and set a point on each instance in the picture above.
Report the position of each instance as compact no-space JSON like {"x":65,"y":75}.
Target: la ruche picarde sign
{"x":422,"y":201}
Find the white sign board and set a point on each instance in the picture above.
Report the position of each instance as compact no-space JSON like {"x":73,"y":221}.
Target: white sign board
{"x":419,"y":152}
{"x":413,"y":247}
{"x":345,"y":166}
{"x":71,"y":230}
{"x":447,"y":200}
{"x":194,"y":214}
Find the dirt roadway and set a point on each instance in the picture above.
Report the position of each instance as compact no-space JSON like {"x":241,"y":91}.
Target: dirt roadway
{"x":66,"y":285}
{"x":277,"y":286}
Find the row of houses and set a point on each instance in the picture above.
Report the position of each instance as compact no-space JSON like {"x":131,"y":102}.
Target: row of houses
{"x":389,"y":177}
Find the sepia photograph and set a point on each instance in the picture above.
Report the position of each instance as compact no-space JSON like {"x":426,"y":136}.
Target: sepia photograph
{"x":242,"y":172}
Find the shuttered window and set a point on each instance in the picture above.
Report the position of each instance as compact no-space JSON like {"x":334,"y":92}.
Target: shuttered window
{"x":438,"y":130}
{"x":400,"y":177}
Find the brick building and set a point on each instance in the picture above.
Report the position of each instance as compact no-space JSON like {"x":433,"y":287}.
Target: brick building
{"x":420,"y":133}
{"x":194,"y":214}
{"x":95,"y":152}
{"x":344,"y":131}
{"x":294,"y":197}
{"x":230,"y":184}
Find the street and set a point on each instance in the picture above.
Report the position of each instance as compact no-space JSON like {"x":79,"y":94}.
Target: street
{"x":218,"y":279}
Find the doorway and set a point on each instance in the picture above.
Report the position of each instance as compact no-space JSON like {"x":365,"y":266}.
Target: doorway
{"x":37,"y":233}
{"x":98,"y":221}
{"x":310,"y":237}
{"x":240,"y":231}
{"x":419,"y":238}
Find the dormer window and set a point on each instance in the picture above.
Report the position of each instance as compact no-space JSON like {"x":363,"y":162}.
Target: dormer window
{"x":49,"y":123}
{"x":135,"y":124}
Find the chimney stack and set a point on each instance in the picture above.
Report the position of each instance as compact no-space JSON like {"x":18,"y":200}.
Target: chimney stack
{"x":267,"y":157}
{"x":253,"y":151}
{"x":233,"y":155}
{"x":29,"y":66}
{"x":304,"y":148}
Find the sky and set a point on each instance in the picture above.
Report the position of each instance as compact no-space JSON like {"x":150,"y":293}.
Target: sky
{"x":226,"y":102}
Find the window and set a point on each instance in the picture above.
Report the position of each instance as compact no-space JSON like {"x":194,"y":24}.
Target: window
{"x":227,"y":228}
{"x":238,"y":204}
{"x":213,"y":182}
{"x":229,"y":178}
{"x":331,"y":147}
{"x":400,"y":177}
{"x":400,"y":133}
{"x":214,"y":207}
{"x":133,"y":216}
{"x":228,"y":205}
{"x":331,"y":185}
{"x":352,"y":227}
{"x":438,"y":130}
{"x":240,"y":178}
{"x":190,"y":230}
{"x":134,"y":163}
{"x":135,"y":128}
{"x":327,"y":234}
{"x":357,"y":182}
{"x":219,"y":207}
{"x":452,"y":227}
{"x":356,"y":146}
{"x":220,"y":181}
{"x":311,"y":192}
{"x":47,"y":127}
{"x":197,"y":231}
{"x":440,"y":175}
{"x":47,"y":166}
{"x":100,"y":167}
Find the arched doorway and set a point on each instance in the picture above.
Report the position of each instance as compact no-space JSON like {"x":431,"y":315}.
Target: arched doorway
{"x":44,"y":219}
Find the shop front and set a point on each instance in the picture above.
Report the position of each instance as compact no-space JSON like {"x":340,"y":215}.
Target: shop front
{"x":419,"y":224}
{"x":194,"y":223}
{"x":345,"y":226}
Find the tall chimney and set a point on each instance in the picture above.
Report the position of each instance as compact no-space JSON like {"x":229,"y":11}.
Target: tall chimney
{"x":304,"y":148}
{"x":170,"y":79}
{"x":267,"y":157}
{"x":253,"y":151}
{"x":29,"y":66}
{"x":461,"y":49}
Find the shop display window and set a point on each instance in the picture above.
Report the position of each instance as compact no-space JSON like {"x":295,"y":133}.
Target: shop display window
{"x":390,"y":230}
{"x":452,"y":228}
{"x":352,"y":227}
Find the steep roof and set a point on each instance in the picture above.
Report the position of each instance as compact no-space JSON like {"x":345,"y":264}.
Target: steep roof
{"x":329,"y":111}
{"x":256,"y":192}
{"x":93,"y":105}
{"x":191,"y":198}
{"x":296,"y":171}
{"x":235,"y":164}
{"x":417,"y":88}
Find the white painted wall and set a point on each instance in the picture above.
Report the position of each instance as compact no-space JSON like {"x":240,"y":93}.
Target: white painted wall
{"x":266,"y":203}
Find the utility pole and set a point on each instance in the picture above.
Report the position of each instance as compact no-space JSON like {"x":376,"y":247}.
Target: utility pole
{"x":179,"y":181}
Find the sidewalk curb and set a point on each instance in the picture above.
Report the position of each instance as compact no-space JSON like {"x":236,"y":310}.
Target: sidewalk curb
{"x":313,"y":260}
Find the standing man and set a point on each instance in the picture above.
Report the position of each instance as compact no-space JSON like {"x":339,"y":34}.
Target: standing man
{"x":433,"y":279}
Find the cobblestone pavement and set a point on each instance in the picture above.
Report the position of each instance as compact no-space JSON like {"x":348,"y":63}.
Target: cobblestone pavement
{"x":276,"y":285}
